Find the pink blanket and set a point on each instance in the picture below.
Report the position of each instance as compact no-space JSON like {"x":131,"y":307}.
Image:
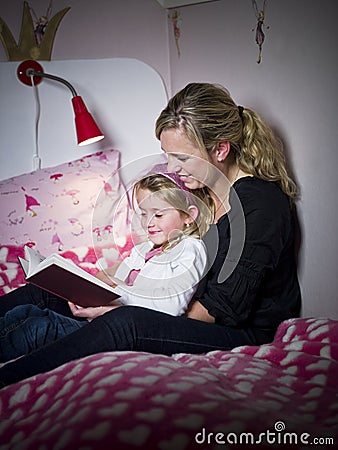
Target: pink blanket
{"x":283,"y":393}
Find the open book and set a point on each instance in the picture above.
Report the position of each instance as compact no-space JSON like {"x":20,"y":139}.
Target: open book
{"x":62,"y":277}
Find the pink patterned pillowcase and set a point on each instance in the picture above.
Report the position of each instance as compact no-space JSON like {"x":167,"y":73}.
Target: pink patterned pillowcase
{"x":52,"y":209}
{"x":11,"y":274}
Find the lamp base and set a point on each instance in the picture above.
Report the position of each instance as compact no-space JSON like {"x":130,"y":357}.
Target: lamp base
{"x":22,"y":72}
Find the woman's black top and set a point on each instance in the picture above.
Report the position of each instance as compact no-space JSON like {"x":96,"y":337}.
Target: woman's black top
{"x":258,"y":287}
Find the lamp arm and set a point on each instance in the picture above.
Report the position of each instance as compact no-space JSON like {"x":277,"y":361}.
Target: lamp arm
{"x":32,"y":72}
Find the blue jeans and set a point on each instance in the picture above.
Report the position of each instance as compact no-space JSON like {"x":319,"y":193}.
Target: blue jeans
{"x":131,"y":328}
{"x":27,"y":327}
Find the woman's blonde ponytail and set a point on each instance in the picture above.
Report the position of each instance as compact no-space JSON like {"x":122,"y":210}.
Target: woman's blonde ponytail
{"x":208,"y":115}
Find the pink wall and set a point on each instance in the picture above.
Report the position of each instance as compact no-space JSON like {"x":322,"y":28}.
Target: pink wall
{"x":101,"y":29}
{"x":295,"y":89}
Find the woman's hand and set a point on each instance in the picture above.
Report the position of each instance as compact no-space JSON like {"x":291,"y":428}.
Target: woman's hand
{"x":198,"y":312}
{"x":91,"y":313}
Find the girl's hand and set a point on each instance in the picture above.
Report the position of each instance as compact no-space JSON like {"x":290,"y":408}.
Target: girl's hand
{"x":106,"y":278}
{"x":109,"y":279}
{"x":91,"y":313}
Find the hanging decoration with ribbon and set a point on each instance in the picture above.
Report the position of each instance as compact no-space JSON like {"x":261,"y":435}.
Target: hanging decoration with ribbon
{"x":260,"y":26}
{"x":176,"y":20}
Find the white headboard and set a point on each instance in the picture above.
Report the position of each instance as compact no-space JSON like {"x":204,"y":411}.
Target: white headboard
{"x":124,"y":95}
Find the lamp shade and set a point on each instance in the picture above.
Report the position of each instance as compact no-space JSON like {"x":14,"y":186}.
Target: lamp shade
{"x":86,"y":128}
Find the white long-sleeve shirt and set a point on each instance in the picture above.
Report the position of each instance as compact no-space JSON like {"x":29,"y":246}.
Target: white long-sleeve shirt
{"x":168,"y":280}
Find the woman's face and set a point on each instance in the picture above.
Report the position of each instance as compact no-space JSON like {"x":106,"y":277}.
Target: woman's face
{"x":185,"y":159}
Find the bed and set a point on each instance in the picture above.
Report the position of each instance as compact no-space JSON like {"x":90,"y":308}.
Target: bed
{"x":280,"y":394}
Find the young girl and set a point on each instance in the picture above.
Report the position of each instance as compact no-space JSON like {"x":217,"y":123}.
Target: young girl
{"x":161,"y":273}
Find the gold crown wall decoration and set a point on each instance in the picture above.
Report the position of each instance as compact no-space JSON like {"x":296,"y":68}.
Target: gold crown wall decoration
{"x":28,"y":47}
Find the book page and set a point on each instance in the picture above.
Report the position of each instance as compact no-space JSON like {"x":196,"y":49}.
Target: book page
{"x":24,"y":264}
{"x":33,"y":259}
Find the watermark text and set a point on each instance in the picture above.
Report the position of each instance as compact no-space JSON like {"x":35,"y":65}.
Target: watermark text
{"x":278,"y":436}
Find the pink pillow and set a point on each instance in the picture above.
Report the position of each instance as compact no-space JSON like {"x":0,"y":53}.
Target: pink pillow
{"x":52,"y":209}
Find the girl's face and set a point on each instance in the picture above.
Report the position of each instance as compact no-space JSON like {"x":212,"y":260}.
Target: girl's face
{"x":185,"y":159}
{"x":159,"y":219}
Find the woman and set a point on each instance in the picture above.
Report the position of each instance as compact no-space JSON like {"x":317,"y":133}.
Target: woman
{"x":247,"y":292}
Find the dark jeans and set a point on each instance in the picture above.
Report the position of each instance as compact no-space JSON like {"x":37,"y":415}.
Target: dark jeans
{"x":129,"y":328}
{"x":32,"y":295}
{"x":27,"y":327}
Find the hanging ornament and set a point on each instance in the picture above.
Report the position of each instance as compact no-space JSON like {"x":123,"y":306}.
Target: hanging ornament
{"x":40,"y":23}
{"x":260,"y":36}
{"x":176,"y":20}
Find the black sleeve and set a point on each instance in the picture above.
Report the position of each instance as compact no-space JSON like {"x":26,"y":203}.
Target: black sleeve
{"x":266,"y":214}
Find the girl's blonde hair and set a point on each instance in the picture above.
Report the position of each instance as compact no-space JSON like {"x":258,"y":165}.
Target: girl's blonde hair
{"x":169,"y":191}
{"x":208,"y":115}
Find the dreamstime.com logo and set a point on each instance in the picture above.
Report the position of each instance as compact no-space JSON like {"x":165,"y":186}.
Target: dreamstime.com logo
{"x":278,"y":436}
